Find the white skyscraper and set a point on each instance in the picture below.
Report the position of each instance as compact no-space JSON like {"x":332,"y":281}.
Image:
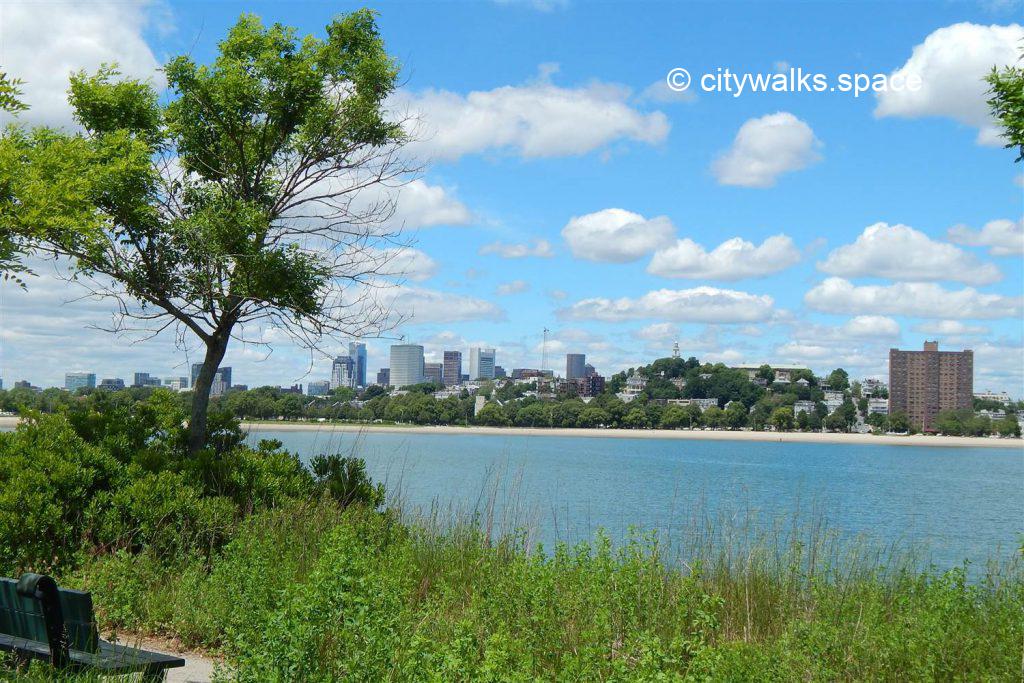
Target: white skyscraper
{"x":406,"y":365}
{"x":343,"y":373}
{"x":481,"y":363}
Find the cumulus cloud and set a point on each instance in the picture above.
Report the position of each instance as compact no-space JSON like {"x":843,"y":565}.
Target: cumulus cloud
{"x":537,"y":248}
{"x":900,"y":252}
{"x":700,"y":304}
{"x":537,"y":119}
{"x":43,"y":45}
{"x":914,"y":299}
{"x":616,"y":235}
{"x":513,"y":287}
{"x":657,"y":332}
{"x":951,"y":328}
{"x":868,"y":326}
{"x":952,"y":63}
{"x":733,"y":259}
{"x":421,"y":305}
{"x":764,"y":149}
{"x":408,"y":263}
{"x":420,"y":205}
{"x":1002,"y":237}
{"x":660,"y":92}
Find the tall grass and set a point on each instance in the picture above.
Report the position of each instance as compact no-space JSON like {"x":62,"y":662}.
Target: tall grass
{"x":309,"y":592}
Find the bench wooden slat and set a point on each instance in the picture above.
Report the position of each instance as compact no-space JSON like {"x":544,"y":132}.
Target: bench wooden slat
{"x":23,"y":631}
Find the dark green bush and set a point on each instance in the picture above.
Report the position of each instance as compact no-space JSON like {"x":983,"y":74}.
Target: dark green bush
{"x":346,"y":481}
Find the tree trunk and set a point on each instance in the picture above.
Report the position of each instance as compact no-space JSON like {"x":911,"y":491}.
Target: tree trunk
{"x":215,"y":351}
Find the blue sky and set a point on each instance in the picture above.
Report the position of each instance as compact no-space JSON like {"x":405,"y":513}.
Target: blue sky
{"x":548,"y":130}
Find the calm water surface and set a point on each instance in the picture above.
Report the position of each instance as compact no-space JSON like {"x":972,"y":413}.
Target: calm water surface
{"x":955,"y":503}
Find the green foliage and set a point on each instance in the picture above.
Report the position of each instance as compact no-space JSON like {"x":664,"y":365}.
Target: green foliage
{"x":1006,"y":103}
{"x":346,"y":481}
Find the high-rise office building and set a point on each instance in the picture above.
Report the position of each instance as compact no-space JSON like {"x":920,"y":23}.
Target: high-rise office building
{"x":384,"y":377}
{"x":318,"y":388}
{"x":452,"y":373}
{"x":176,"y":383}
{"x":406,"y":365}
{"x":575,"y":365}
{"x":434,"y":372}
{"x":343,"y":373}
{"x":221,"y":380}
{"x":357,"y":352}
{"x":112,"y":384}
{"x":481,"y":363}
{"x":144,"y":379}
{"x":79,"y":380}
{"x":923,"y":383}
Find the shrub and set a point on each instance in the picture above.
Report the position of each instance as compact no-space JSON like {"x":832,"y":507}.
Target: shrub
{"x":346,"y":481}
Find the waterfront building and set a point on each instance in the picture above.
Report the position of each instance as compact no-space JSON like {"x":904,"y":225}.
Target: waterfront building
{"x":805,"y":406}
{"x":878,"y":406}
{"x":73,"y":381}
{"x":481,"y":363}
{"x":434,"y":372}
{"x":452,"y":371}
{"x":357,"y":352}
{"x":589,"y":385}
{"x":924,"y":383}
{"x":343,"y":373}
{"x":989,"y":395}
{"x":406,"y":365}
{"x":575,"y":365}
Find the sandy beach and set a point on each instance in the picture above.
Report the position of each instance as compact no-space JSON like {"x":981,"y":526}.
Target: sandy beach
{"x":779,"y":437}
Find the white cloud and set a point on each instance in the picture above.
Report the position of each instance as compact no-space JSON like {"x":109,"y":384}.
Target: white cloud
{"x":616,"y":235}
{"x":868,"y":326}
{"x":952,"y":63}
{"x":951,"y":328}
{"x":700,"y":304}
{"x":537,"y":248}
{"x":657,"y":332}
{"x":419,"y":205}
{"x":661,"y":93}
{"x":537,"y":119}
{"x":900,"y":252}
{"x":733,"y":259}
{"x":44,"y":44}
{"x":513,"y":287}
{"x":1003,"y":237}
{"x":914,"y":299}
{"x":408,"y":263}
{"x":430,"y":306}
{"x":764,"y":149}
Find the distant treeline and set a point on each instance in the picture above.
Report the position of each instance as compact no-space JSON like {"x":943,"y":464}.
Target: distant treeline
{"x":741,"y":403}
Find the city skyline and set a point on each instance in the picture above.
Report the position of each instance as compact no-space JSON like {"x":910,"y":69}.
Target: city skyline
{"x":874,"y":222}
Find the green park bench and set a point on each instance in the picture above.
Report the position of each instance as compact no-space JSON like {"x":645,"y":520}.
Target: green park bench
{"x":38,"y":620}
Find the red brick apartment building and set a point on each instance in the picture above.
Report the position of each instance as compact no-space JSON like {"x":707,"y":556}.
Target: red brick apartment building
{"x":923,"y":383}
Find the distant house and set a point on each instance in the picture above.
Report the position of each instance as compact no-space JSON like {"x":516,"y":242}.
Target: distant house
{"x":805,"y":406}
{"x":878,"y":406}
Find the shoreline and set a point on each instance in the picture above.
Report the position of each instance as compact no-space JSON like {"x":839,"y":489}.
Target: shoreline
{"x":919,"y":440}
{"x":663,"y":434}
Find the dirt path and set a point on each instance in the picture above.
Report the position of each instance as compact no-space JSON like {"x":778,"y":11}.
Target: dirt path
{"x":198,"y":667}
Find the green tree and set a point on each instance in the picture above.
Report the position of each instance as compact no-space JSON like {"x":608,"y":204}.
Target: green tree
{"x":226,"y":206}
{"x":1006,"y":103}
{"x":766,"y":373}
{"x":782,"y":418}
{"x":714,"y":417}
{"x":674,"y":417}
{"x":839,"y":380}
{"x":492,"y":415}
{"x":592,"y":416}
{"x":899,"y":422}
{"x":636,"y":419}
{"x":736,"y":415}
